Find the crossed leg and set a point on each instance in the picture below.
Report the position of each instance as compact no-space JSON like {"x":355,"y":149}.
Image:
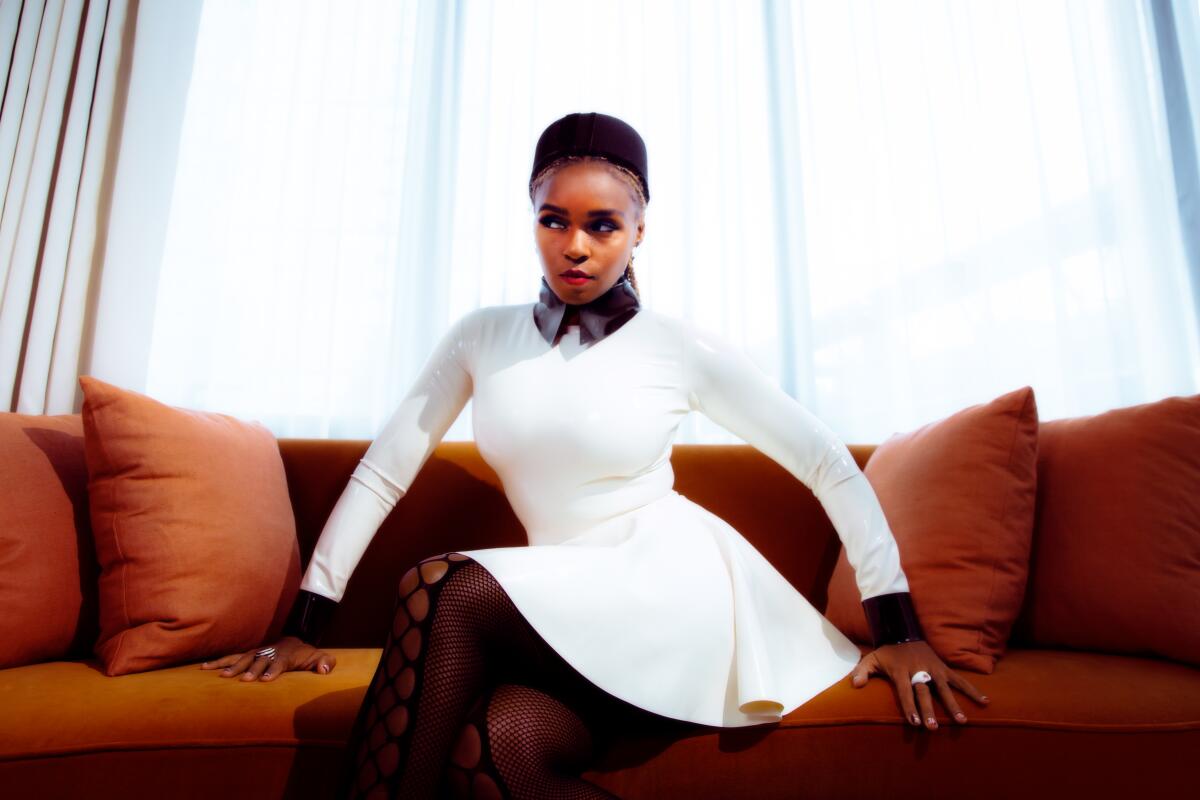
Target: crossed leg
{"x":520,"y":742}
{"x":456,"y":633}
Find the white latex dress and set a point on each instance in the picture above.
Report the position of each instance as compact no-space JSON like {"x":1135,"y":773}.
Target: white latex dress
{"x":649,"y":595}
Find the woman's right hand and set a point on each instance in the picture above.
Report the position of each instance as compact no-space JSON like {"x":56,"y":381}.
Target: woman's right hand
{"x":290,"y":654}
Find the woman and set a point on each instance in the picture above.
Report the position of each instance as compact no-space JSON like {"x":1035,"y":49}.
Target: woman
{"x":631,"y":604}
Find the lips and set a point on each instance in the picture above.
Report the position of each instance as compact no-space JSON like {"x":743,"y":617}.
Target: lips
{"x":574,"y":273}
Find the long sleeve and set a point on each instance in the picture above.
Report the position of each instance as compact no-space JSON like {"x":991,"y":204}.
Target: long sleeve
{"x":730,"y":389}
{"x":388,"y":468}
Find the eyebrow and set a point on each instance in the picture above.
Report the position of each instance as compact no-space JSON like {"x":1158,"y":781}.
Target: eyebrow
{"x":603,"y":212}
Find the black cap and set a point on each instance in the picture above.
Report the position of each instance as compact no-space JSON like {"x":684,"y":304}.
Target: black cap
{"x":595,"y":134}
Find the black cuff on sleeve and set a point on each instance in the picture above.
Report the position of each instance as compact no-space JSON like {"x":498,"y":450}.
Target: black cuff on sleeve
{"x":309,"y":617}
{"x":892,"y":618}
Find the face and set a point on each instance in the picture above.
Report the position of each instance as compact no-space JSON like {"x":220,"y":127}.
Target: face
{"x":587,"y":226}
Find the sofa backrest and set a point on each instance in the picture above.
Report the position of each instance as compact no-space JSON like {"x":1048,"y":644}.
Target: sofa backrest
{"x":457,"y":503}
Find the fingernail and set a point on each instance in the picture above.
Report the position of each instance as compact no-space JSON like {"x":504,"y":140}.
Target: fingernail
{"x":984,"y":698}
{"x":932,"y":722}
{"x":916,"y":720}
{"x":961,"y":716}
{"x":324,"y":668}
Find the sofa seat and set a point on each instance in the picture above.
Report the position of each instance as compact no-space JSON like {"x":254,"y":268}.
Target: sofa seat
{"x":1060,"y":724}
{"x":65,"y":726}
{"x":181,"y":731}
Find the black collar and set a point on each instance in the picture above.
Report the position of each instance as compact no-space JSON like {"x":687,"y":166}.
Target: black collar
{"x":597,"y":319}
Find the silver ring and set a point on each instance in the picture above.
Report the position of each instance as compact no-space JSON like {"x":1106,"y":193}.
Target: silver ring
{"x":267,"y":653}
{"x":921,"y":677}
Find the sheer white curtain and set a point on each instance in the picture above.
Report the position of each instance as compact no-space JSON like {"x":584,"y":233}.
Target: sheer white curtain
{"x":988,"y":203}
{"x":896,"y":209}
{"x":61,"y":91}
{"x":92,"y":96}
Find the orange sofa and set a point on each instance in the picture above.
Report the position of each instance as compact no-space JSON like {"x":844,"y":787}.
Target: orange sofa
{"x":1060,"y":723}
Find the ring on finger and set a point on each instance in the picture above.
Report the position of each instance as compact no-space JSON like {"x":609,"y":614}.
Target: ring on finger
{"x":267,"y":653}
{"x":921,"y":677}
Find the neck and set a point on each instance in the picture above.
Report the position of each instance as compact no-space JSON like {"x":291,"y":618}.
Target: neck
{"x":596,"y":319}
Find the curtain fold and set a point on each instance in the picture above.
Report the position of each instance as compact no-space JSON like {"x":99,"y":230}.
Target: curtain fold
{"x":896,"y":210}
{"x":306,"y":263}
{"x":62,"y":98}
{"x":1177,"y":37}
{"x":989,"y":202}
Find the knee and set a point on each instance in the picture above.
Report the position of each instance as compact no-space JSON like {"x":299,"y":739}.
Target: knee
{"x":528,"y":726}
{"x":441,"y":571}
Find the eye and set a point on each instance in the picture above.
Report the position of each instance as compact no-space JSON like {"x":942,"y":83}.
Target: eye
{"x":548,"y":221}
{"x":612,"y":226}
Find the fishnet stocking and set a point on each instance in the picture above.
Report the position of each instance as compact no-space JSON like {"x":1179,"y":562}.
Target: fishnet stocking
{"x":519,"y":742}
{"x":455,"y":635}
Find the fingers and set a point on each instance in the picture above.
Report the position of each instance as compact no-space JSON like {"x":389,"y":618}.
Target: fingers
{"x":224,"y":661}
{"x":259,"y":666}
{"x":239,"y":666}
{"x":319,"y":662}
{"x":274,"y":668}
{"x":925,"y":701}
{"x":862,"y":671}
{"x":904,"y":695}
{"x":968,"y":688}
{"x":251,"y":667}
{"x":947,"y":696}
{"x":316,"y":660}
{"x":901,"y":662}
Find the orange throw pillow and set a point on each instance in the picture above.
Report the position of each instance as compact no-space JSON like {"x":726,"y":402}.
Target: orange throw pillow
{"x":959,"y":497}
{"x":47,"y":561}
{"x":193,"y":527}
{"x":1116,"y":553}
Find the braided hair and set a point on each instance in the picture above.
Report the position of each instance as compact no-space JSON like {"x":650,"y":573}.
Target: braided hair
{"x":626,"y":175}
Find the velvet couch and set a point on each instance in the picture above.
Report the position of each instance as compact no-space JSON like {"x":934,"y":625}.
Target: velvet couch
{"x":1061,"y":723}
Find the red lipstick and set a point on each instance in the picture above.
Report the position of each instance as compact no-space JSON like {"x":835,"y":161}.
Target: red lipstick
{"x":575,"y":277}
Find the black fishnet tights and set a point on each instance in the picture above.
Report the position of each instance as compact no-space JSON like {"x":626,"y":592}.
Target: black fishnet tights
{"x":484,"y":686}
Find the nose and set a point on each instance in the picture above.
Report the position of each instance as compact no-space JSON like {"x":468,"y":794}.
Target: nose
{"x":576,"y":248}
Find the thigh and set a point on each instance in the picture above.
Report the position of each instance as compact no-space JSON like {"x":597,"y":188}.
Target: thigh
{"x":519,"y":655}
{"x":605,"y":715}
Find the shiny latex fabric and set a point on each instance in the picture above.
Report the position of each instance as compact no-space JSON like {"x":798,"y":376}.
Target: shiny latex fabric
{"x":581,"y":440}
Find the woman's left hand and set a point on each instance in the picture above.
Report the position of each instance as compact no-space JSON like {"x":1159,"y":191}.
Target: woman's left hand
{"x":899,"y":662}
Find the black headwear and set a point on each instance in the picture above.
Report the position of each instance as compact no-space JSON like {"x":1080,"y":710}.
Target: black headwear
{"x":596,"y":134}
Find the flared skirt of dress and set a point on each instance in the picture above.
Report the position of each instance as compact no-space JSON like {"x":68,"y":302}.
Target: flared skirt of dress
{"x":669,"y":608}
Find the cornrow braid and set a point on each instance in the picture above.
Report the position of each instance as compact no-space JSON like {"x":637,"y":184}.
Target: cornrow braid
{"x":621,"y":172}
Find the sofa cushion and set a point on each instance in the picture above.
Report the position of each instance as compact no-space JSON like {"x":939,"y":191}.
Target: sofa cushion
{"x":1116,"y":553}
{"x":47,"y":560}
{"x":193,"y":527}
{"x":959,"y":496}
